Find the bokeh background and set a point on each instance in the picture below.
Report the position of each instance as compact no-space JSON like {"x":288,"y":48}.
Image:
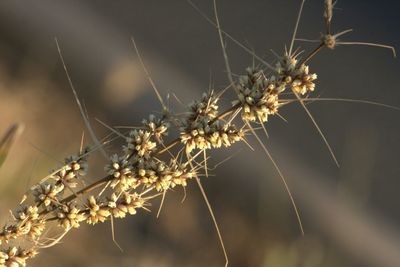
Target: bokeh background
{"x":351,"y":214}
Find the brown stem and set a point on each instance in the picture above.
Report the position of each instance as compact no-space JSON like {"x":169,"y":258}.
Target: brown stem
{"x":87,"y":188}
{"x":225,"y":113}
{"x":313,"y":53}
{"x":169,"y":146}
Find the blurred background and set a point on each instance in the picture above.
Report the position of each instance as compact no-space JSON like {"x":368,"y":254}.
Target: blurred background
{"x":350,"y":214}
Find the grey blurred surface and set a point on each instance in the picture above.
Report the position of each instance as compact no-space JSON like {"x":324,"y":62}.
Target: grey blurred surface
{"x":351,"y":214}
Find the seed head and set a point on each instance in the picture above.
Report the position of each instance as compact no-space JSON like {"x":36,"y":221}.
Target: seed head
{"x":98,"y":211}
{"x":16,"y":257}
{"x":139,"y":144}
{"x":69,"y":216}
{"x":121,"y":172}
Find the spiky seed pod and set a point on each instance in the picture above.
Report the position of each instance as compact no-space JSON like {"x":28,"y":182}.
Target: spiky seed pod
{"x":69,"y":216}
{"x":79,"y":163}
{"x":133,"y":202}
{"x":66,"y":176}
{"x":257,"y":95}
{"x":117,"y":209}
{"x":98,"y":211}
{"x":139,"y":145}
{"x":8,"y":233}
{"x":286,"y":65}
{"x":206,"y":107}
{"x":200,"y":130}
{"x":297,"y":77}
{"x":126,"y":204}
{"x":225,"y":135}
{"x":73,"y":169}
{"x":164,"y":177}
{"x":27,"y":213}
{"x":161,"y":175}
{"x":329,"y":40}
{"x":27,"y":222}
{"x":203,"y":135}
{"x":150,"y":173}
{"x":180,"y":174}
{"x":194,"y":134}
{"x":121,"y":171}
{"x":16,"y":257}
{"x":47,"y":193}
{"x":157,"y":126}
{"x":303,"y":82}
{"x":36,"y":229}
{"x":145,"y":172}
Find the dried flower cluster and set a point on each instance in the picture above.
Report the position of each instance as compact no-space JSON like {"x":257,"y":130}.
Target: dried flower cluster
{"x":140,"y":169}
{"x":258,"y":95}
{"x":201,"y":130}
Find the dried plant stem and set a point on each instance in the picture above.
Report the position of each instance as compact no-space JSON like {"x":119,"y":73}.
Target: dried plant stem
{"x":313,"y":53}
{"x":142,"y":171}
{"x":88,"y":189}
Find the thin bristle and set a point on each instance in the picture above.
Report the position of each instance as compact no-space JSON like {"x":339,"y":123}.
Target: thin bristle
{"x":318,"y":129}
{"x":370,"y":44}
{"x":148,"y":75}
{"x":78,"y":102}
{"x":280,"y":175}
{"x":223,"y":47}
{"x":296,"y":26}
